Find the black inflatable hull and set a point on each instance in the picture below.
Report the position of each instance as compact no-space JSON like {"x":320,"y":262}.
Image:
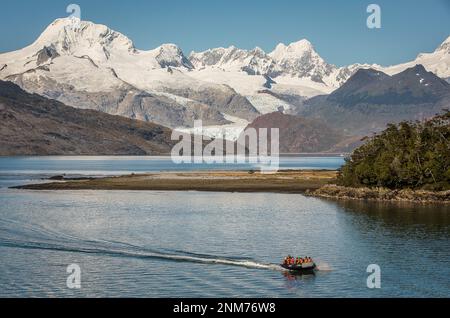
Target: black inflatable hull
{"x":299,"y":269}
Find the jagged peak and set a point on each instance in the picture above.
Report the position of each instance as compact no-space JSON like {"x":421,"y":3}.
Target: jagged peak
{"x":303,"y":44}
{"x":66,"y":34}
{"x":258,"y":51}
{"x":298,"y":49}
{"x":171,"y":55}
{"x":169,"y":47}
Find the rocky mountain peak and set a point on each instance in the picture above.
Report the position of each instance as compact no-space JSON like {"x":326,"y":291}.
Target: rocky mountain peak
{"x":170,"y":55}
{"x":68,"y":35}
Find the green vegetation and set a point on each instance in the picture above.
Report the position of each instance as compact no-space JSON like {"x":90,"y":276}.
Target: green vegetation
{"x":414,"y":155}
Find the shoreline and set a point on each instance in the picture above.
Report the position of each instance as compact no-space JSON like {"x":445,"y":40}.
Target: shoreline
{"x":313,"y":183}
{"x":335,"y":192}
{"x":289,"y":181}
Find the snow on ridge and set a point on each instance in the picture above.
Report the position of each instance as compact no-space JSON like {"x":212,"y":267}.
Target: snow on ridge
{"x":297,"y":60}
{"x":83,"y":54}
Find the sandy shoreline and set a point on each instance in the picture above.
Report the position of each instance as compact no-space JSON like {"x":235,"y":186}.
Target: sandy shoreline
{"x":218,"y":181}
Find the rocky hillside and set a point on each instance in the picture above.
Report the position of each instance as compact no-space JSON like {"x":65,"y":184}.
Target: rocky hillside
{"x":302,"y":135}
{"x":34,"y":125}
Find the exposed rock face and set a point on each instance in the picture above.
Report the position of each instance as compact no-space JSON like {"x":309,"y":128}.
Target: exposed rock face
{"x":126,"y":101}
{"x":224,"y":100}
{"x":34,"y":125}
{"x":46,"y":54}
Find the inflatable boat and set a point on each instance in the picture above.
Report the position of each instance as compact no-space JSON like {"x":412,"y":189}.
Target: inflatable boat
{"x":306,"y":268}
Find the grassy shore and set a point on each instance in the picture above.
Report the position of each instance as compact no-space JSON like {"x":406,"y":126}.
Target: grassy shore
{"x":220,"y":181}
{"x":317,"y":183}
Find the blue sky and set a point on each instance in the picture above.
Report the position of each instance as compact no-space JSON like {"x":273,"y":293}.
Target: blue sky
{"x":336,"y":28}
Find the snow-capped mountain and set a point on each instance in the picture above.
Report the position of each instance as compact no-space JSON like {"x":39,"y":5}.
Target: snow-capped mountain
{"x":254,"y":62}
{"x":290,"y":70}
{"x":87,"y":65}
{"x":72,"y":37}
{"x":298,"y":60}
{"x":298,"y":63}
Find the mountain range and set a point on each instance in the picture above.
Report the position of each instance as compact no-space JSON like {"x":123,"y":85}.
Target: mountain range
{"x":370,"y":99}
{"x":89,"y":66}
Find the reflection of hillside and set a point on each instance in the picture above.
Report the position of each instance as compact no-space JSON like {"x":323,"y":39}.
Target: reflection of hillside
{"x":402,"y":216}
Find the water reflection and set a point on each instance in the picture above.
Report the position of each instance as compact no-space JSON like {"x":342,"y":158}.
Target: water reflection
{"x":400,"y":216}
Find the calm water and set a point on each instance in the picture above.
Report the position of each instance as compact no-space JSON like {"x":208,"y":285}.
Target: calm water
{"x":195,"y":244}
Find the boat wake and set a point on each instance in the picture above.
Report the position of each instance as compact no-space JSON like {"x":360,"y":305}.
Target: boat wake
{"x":19,"y":235}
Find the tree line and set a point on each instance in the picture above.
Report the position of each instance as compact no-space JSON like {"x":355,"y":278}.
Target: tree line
{"x":412,"y":155}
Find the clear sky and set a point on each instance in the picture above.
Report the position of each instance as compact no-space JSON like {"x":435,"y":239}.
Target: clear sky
{"x":337,"y":28}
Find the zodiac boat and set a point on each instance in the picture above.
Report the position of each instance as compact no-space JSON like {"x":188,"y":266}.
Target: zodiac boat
{"x":301,"y":269}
